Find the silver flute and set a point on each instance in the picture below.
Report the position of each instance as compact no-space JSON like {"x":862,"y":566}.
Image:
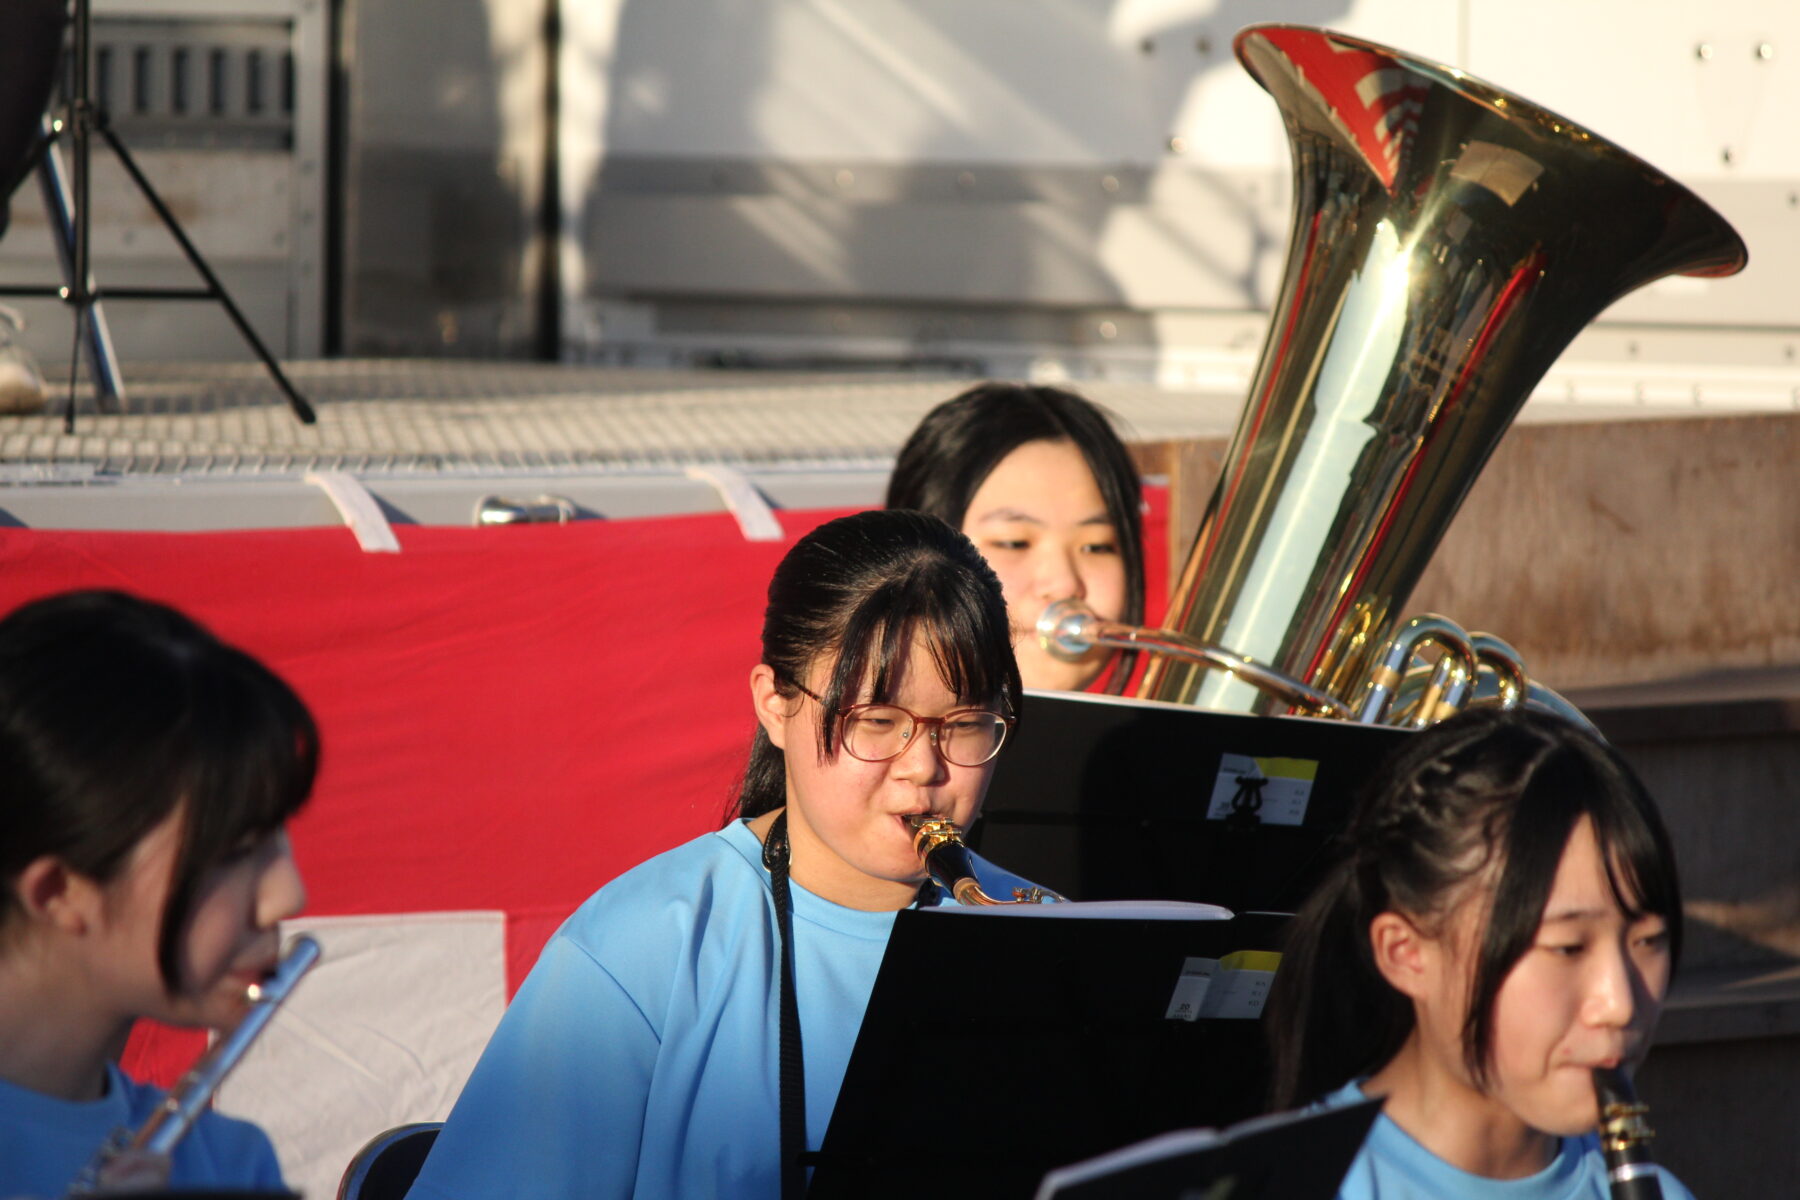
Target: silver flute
{"x":163,"y":1130}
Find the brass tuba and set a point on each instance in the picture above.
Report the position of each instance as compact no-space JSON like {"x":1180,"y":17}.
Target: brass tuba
{"x":1449,"y":240}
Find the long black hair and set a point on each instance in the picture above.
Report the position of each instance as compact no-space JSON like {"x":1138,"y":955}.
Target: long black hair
{"x":959,"y":443}
{"x":114,"y":712}
{"x":1486,"y":793}
{"x":860,"y":590}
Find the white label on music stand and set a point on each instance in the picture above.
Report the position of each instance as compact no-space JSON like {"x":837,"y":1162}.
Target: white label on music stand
{"x":1191,"y":988}
{"x":1271,"y":791}
{"x":1232,"y":988}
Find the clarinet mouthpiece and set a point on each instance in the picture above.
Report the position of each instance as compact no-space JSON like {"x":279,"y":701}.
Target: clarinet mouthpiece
{"x":939,"y":843}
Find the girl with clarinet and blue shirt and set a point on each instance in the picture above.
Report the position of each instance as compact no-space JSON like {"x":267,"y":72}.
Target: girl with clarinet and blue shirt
{"x":686,"y":1032}
{"x":1501,"y":923}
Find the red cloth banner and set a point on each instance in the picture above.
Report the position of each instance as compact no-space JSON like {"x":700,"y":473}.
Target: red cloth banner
{"x":510,"y":716}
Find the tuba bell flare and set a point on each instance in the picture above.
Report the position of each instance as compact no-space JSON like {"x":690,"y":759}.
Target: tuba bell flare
{"x":1449,"y":239}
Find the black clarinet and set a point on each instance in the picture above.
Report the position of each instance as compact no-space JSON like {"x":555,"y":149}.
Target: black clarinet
{"x":1625,"y":1137}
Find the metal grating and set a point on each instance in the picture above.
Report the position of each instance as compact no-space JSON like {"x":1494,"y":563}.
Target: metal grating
{"x":421,"y":415}
{"x":424,"y":416}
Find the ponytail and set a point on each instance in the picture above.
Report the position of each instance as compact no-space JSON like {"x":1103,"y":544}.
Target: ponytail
{"x":763,"y":786}
{"x":1331,"y":1016}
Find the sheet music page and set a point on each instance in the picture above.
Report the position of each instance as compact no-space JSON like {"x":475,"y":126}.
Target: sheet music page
{"x":1118,"y":910}
{"x":1165,"y":1145}
{"x":1195,"y":1141}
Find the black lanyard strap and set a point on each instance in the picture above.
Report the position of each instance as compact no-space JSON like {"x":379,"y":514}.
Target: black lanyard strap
{"x":793,"y":1060}
{"x":792,"y":1068}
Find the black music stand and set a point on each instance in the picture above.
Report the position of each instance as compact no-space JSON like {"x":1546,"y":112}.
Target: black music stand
{"x":1104,"y":798}
{"x":998,"y":1045}
{"x":70,"y":215}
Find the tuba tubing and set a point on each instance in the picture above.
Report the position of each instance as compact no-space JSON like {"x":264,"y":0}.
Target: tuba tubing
{"x":1068,"y":629}
{"x":1474,"y":668}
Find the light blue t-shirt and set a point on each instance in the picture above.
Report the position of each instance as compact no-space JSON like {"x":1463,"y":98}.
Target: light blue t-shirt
{"x":640,"y":1056}
{"x":46,"y":1142}
{"x":1393,"y":1166}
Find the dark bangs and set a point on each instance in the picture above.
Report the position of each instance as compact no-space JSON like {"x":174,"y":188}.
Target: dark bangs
{"x":959,"y":617}
{"x":248,"y":753}
{"x":1576,"y":776}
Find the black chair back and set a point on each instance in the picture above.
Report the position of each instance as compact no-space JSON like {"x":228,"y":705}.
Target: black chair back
{"x":386,"y":1167}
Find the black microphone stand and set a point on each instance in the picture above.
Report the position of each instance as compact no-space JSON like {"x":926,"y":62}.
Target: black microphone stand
{"x":85,"y":120}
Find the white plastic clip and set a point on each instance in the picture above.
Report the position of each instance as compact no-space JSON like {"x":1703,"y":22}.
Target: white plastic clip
{"x":754,"y":516}
{"x":358,"y":509}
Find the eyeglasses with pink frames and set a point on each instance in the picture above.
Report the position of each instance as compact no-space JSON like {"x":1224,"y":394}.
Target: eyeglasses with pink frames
{"x":963,"y":737}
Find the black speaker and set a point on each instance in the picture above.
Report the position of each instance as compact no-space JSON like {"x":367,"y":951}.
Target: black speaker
{"x":31,"y":37}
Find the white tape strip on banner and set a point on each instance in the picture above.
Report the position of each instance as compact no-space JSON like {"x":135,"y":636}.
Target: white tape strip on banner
{"x":359,"y":510}
{"x":754,"y":516}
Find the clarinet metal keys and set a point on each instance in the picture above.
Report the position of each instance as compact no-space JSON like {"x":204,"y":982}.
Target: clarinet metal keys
{"x":1624,"y":1138}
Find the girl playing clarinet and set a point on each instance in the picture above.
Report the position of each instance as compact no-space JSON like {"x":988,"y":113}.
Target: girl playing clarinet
{"x":686,"y":1031}
{"x":1503,"y":920}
